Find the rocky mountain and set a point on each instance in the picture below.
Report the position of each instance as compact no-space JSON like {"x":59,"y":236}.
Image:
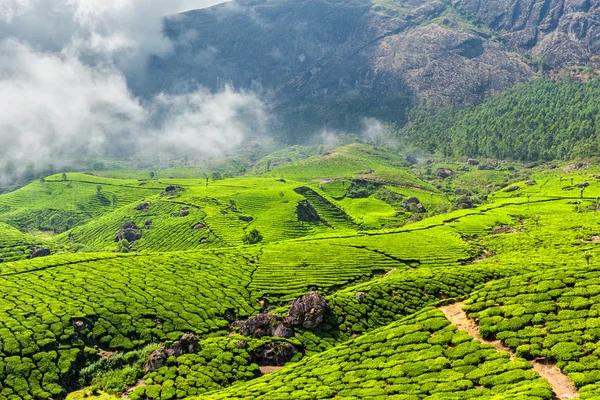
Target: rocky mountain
{"x":331,"y":63}
{"x":561,"y":32}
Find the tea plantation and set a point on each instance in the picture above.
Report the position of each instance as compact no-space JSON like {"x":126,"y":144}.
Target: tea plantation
{"x":311,"y":276}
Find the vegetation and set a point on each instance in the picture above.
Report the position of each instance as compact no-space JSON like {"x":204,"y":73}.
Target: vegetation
{"x":517,"y":243}
{"x":540,"y":120}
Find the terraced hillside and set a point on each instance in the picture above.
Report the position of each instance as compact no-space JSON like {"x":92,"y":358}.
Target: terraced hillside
{"x":295,"y":285}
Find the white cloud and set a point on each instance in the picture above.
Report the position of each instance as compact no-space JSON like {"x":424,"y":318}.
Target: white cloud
{"x":66,"y":94}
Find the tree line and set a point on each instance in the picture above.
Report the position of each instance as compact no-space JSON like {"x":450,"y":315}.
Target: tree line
{"x":540,"y":120}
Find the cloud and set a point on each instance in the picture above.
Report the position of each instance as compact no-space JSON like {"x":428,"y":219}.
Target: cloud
{"x":67,"y":94}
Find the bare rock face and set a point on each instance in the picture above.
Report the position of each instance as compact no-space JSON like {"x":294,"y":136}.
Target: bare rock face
{"x":307,"y":311}
{"x":333,"y":63}
{"x":563,"y":32}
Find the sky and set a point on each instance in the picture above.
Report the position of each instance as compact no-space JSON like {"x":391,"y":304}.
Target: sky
{"x":64,"y":66}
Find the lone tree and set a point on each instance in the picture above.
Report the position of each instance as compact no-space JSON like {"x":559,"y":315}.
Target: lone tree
{"x":54,"y":221}
{"x":588,"y":256}
{"x":99,"y":191}
{"x":114,"y":200}
{"x":64,"y":176}
{"x":152,"y":174}
{"x":252,"y":237}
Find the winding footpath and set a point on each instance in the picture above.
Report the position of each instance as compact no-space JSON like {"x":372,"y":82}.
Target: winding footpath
{"x":561,"y":385}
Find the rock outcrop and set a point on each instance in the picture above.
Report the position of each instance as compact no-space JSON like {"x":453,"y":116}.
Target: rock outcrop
{"x":315,"y":61}
{"x":274,"y":353}
{"x":562,"y":32}
{"x":188,"y":344}
{"x":39,"y":252}
{"x":307,"y":311}
{"x":130,"y":232}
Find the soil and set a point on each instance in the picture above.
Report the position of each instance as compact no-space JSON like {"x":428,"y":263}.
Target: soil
{"x":561,"y":385}
{"x":265,"y":370}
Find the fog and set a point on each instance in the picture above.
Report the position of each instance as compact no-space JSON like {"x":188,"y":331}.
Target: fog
{"x":64,"y":71}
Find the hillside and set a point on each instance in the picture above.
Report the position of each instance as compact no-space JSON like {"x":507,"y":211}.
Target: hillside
{"x":542,"y":120}
{"x":329,"y":64}
{"x":494,"y":300}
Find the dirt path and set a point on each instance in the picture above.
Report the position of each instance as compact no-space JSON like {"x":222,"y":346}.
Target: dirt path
{"x":561,"y":385}
{"x":269,"y":369}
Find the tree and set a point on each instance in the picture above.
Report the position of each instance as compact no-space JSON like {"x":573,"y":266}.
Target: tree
{"x":152,"y":174}
{"x":64,"y":177}
{"x":114,"y":200}
{"x":99,"y":190}
{"x":252,"y":237}
{"x":54,"y":220}
{"x":40,"y":221}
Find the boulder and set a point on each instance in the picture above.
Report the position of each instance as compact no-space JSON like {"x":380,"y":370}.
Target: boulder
{"x":142,"y":206}
{"x":531,"y":183}
{"x":184,"y":213}
{"x":360,"y":296}
{"x":260,"y":325}
{"x":246,"y":219}
{"x":413,"y":204}
{"x":274,"y":353}
{"x":472,"y":161}
{"x":157,"y":359}
{"x":198,"y":227}
{"x":188,"y":344}
{"x":307,"y":311}
{"x":129,"y":225}
{"x":444,"y":173}
{"x":131,"y":235}
{"x":40,"y":252}
{"x":282,"y":331}
{"x":486,"y":167}
{"x":583,"y":185}
{"x":511,"y":189}
{"x":464,"y":202}
{"x":170,"y":188}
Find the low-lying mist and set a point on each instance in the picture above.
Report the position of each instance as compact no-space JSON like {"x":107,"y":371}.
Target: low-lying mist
{"x":64,"y":70}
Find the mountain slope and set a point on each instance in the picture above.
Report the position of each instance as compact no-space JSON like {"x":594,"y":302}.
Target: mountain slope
{"x":332,"y":63}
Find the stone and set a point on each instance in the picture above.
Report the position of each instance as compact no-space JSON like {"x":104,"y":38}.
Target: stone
{"x":274,"y":353}
{"x":511,"y":189}
{"x":444,"y":173}
{"x":157,"y":359}
{"x":40,"y":252}
{"x":260,"y":325}
{"x":307,"y":311}
{"x":187,"y":344}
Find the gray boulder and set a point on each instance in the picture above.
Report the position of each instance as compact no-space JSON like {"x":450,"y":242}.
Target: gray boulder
{"x":307,"y":311}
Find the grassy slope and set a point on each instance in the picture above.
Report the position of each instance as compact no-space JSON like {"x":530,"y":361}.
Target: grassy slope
{"x":127,"y":301}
